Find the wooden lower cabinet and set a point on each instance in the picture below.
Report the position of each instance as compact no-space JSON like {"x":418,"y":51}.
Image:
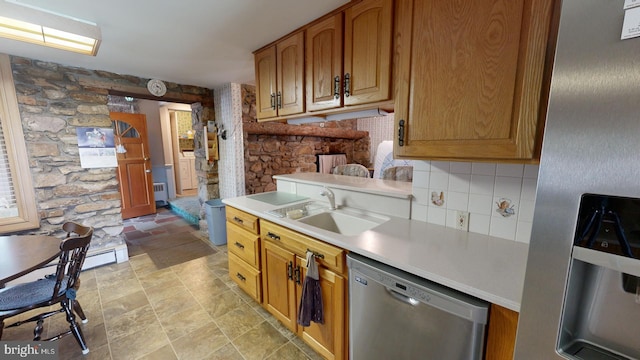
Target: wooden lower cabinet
{"x":243,"y":244}
{"x":501,"y":334}
{"x":279,"y":288}
{"x":283,"y":272}
{"x":327,"y":338}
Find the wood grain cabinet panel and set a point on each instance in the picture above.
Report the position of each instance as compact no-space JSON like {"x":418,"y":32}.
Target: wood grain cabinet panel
{"x":469,"y":78}
{"x":243,"y":239}
{"x":323,"y":64}
{"x":283,"y":273}
{"x":367,"y":52}
{"x":279,"y":288}
{"x":327,"y":338}
{"x":280,"y":78}
{"x":265,"y":67}
{"x":501,"y":337}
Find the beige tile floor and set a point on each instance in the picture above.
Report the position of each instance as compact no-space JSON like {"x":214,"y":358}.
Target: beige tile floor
{"x":173,"y":299}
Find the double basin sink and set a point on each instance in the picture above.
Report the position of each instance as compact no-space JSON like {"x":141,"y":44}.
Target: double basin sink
{"x":343,"y":220}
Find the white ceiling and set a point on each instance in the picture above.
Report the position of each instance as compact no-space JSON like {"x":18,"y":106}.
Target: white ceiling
{"x":192,"y":42}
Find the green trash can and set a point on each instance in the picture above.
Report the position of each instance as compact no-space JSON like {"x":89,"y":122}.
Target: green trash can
{"x":216,"y":221}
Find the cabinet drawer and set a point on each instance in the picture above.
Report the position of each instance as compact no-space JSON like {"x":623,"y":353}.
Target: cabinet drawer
{"x":244,"y":244}
{"x":330,"y":256}
{"x":243,"y":219}
{"x":247,"y":278}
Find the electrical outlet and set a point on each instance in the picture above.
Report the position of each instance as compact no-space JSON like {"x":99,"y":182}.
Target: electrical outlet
{"x":462,"y":220}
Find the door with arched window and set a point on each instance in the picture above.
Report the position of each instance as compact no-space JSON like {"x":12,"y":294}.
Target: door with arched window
{"x":134,"y":164}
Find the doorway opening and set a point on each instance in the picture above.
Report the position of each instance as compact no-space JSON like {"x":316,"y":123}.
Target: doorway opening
{"x":163,"y":143}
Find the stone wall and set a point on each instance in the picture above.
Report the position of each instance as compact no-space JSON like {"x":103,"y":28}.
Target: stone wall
{"x":53,"y":101}
{"x":268,"y":155}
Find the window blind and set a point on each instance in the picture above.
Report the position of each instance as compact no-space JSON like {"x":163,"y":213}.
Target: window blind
{"x":7,"y":191}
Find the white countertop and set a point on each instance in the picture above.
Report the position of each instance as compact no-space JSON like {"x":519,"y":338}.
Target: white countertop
{"x":486,"y":267}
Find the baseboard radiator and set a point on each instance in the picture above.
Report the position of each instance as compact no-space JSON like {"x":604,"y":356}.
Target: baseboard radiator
{"x":160,"y":192}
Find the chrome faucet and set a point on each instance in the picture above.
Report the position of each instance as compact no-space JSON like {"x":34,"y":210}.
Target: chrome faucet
{"x":331,"y":196}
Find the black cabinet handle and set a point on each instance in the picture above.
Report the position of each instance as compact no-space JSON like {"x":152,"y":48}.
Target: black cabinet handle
{"x":297,"y":275}
{"x":237,"y":219}
{"x":239,"y":245}
{"x":273,"y":236}
{"x":279,"y":99}
{"x":316,"y":254}
{"x":273,"y":101}
{"x":401,"y":133}
{"x":290,"y":270}
{"x":347,"y":85}
{"x":336,"y":87}
{"x":239,"y":276}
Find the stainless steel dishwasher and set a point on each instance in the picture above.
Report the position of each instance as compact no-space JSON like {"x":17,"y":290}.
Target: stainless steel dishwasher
{"x":396,"y":315}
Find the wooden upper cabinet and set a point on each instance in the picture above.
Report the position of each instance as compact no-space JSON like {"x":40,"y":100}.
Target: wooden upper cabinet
{"x":368,"y":32}
{"x":280,"y":78}
{"x":265,"y":62}
{"x":324,"y":64}
{"x":290,"y":75}
{"x":470,"y":78}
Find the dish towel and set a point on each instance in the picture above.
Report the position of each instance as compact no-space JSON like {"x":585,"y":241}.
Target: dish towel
{"x":311,"y":301}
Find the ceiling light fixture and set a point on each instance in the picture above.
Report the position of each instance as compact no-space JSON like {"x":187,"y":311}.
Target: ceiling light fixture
{"x":44,"y":28}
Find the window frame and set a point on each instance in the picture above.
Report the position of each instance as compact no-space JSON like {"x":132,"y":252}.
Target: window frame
{"x":17,"y":155}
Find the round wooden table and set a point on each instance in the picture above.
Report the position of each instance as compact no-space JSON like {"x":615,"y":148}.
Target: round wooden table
{"x":21,"y":254}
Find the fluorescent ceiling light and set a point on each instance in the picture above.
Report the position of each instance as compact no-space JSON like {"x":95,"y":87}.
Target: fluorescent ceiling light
{"x":47,"y":29}
{"x":357,"y":114}
{"x":305,"y":120}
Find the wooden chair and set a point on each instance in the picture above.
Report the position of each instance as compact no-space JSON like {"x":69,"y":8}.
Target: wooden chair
{"x":351,"y":170}
{"x":59,"y":288}
{"x":398,"y":173}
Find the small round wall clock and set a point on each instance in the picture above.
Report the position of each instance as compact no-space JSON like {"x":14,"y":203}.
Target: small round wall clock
{"x":156,"y":87}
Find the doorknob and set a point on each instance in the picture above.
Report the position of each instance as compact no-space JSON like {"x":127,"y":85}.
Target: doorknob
{"x":147,"y":159}
{"x":147,"y":171}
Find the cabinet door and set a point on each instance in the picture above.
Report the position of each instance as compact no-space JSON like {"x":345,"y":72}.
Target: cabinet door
{"x":194,"y":175}
{"x":367,"y":52}
{"x":324,"y":64}
{"x":265,"y":63}
{"x":278,"y":287}
{"x":290,"y":75}
{"x":469,"y":78}
{"x":185,"y":175}
{"x":329,"y":338}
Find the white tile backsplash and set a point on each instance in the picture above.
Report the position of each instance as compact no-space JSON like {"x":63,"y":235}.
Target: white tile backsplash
{"x":421,"y":178}
{"x":503,"y":227}
{"x":508,"y":187}
{"x":459,"y":182}
{"x":460,"y":168}
{"x":437,"y":216}
{"x":480,"y":204}
{"x":482,"y":184}
{"x":476,"y":187}
{"x":483,"y":169}
{"x":458,"y":201}
{"x":516,"y":170}
{"x":438,"y":180}
{"x":440,"y":166}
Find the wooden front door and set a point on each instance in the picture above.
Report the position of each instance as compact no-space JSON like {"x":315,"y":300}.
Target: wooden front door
{"x":134,"y":165}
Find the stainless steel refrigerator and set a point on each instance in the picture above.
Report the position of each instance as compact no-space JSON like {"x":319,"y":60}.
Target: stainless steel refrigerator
{"x":581,"y":296}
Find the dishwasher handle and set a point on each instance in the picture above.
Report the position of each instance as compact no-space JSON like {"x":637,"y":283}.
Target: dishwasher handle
{"x":402,"y":297}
